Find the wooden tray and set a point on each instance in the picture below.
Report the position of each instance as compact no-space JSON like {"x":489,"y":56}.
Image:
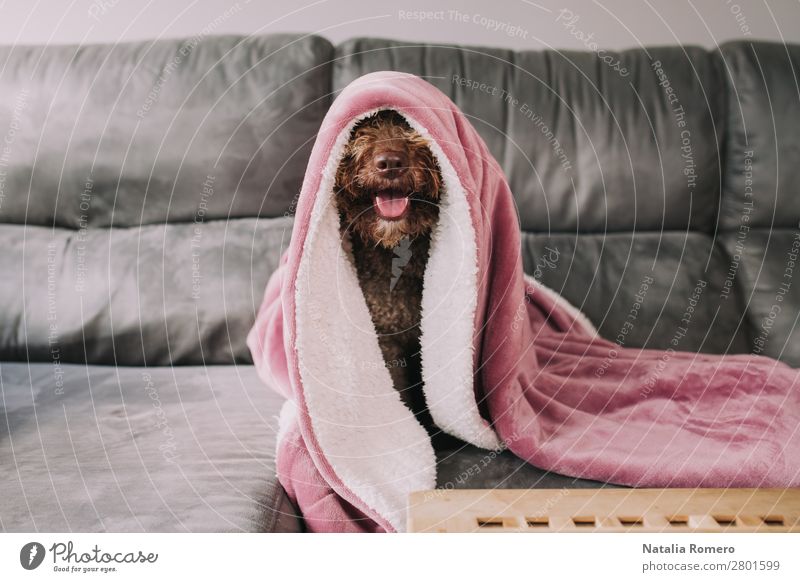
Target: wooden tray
{"x":605,"y":510}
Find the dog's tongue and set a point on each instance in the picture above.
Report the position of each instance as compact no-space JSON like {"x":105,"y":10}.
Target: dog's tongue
{"x":390,"y":205}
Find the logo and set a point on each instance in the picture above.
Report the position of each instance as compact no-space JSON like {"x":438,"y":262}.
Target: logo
{"x":402,"y":255}
{"x":31,"y":555}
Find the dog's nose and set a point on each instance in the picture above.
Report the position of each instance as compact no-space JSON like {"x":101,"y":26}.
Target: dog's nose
{"x":392,"y":163}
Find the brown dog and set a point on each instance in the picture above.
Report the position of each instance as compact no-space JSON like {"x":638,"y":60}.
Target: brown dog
{"x":387,"y":187}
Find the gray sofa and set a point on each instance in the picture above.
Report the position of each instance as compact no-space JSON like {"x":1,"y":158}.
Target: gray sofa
{"x":146,"y":191}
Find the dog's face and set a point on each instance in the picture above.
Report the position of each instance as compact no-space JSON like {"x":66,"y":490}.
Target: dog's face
{"x":388,"y":182}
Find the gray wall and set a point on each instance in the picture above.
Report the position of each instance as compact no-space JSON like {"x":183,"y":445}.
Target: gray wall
{"x":612,"y":24}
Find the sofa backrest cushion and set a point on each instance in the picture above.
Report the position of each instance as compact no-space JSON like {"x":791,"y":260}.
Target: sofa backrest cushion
{"x":128,"y":134}
{"x":137,"y":186}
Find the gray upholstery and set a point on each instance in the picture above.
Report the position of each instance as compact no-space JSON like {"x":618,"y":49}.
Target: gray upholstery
{"x":183,"y":293}
{"x":138,"y":128}
{"x":759,"y":224}
{"x":99,"y":448}
{"x":763,"y":89}
{"x":765,"y":272}
{"x":637,"y":287}
{"x":145,"y":194}
{"x":468,"y":467}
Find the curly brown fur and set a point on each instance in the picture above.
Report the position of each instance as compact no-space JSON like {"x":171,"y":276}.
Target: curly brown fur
{"x":358,"y":179}
{"x":391,"y":255}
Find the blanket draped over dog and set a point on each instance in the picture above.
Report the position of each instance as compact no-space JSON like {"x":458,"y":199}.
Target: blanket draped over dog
{"x":507,"y":363}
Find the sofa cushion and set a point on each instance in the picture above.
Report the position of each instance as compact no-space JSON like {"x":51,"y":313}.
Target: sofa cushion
{"x":91,"y":448}
{"x":585,"y":148}
{"x":156,"y":295}
{"x":759,"y":225}
{"x":134,"y":133}
{"x":468,"y":467}
{"x":654,"y":290}
{"x":766,"y":266}
{"x":761,"y":188}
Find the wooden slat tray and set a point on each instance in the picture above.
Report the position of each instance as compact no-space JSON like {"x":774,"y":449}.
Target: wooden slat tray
{"x":608,"y":510}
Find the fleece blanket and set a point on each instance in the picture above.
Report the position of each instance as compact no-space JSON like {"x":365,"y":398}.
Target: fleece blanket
{"x":507,"y":363}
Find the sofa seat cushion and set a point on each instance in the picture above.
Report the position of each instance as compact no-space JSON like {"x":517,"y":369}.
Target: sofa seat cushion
{"x":94,"y":448}
{"x":468,"y":467}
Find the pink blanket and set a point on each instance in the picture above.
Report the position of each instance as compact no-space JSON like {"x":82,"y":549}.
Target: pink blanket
{"x":556,"y":394}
